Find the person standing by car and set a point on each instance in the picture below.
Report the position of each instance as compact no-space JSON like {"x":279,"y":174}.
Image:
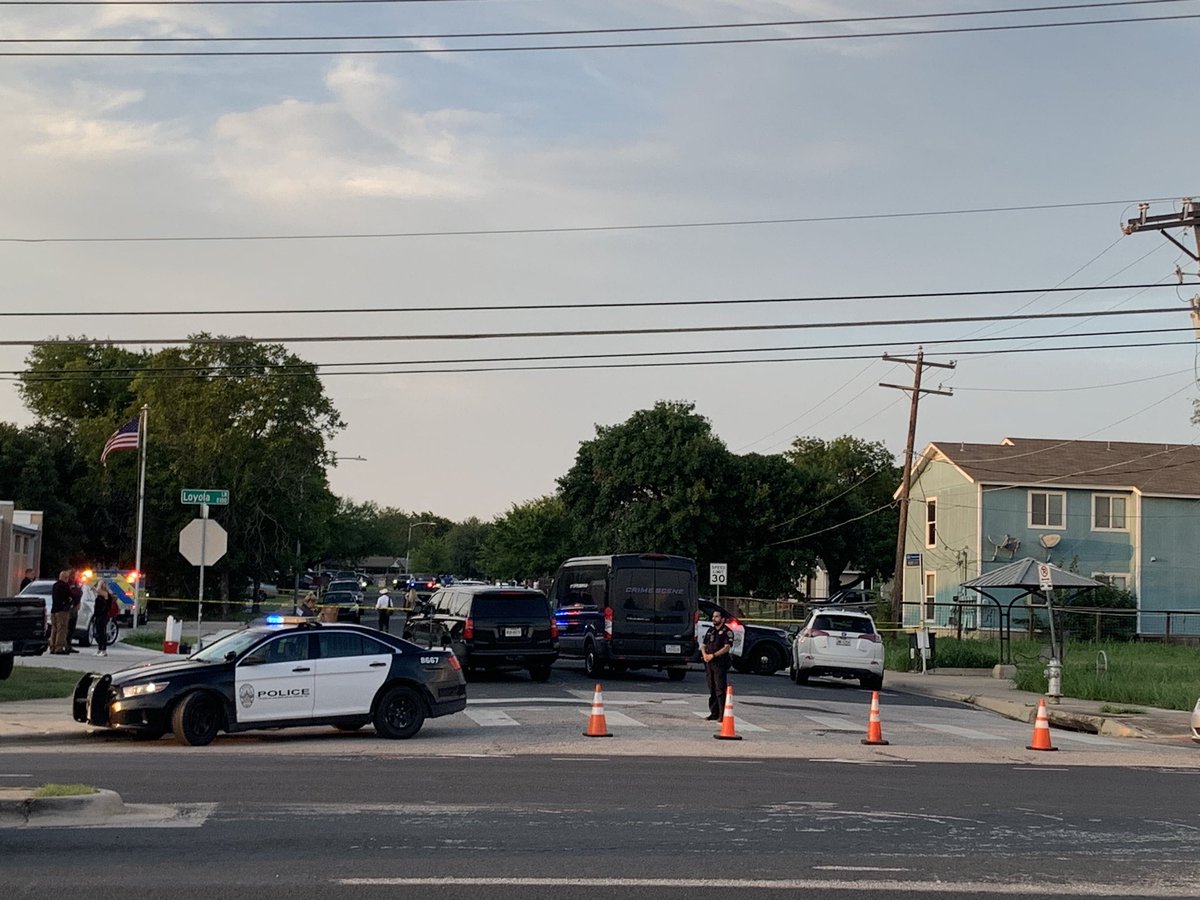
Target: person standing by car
{"x":26,"y":580}
{"x":76,"y":588}
{"x":718,"y":644}
{"x":103,"y":610}
{"x":384,"y":606}
{"x":60,"y":612}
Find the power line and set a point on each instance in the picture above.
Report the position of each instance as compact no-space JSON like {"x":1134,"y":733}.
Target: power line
{"x":129,"y":371}
{"x":530,"y":48}
{"x":566,"y":32}
{"x":273,"y":372}
{"x":568,"y":229}
{"x":579,"y":332}
{"x":538,"y":307}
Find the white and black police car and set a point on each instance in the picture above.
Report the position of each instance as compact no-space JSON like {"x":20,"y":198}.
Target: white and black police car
{"x":282,"y":672}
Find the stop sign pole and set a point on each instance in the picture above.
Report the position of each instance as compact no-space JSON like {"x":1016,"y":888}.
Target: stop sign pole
{"x":202,"y":548}
{"x":203,"y":560}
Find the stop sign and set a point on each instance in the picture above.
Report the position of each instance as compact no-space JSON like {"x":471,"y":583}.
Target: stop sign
{"x":215,"y":540}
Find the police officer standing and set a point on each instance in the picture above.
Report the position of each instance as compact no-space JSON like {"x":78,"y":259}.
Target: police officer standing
{"x":716,"y":650}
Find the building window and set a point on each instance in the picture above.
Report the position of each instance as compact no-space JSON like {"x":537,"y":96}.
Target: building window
{"x":931,"y":522}
{"x":1047,"y":509}
{"x":1108,"y":512}
{"x":930,"y":594}
{"x":1113,"y":579}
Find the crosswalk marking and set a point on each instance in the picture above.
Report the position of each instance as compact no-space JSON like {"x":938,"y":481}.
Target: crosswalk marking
{"x":490,"y":717}
{"x":1084,"y":738}
{"x":613,"y":717}
{"x":739,"y":723}
{"x":960,"y":732}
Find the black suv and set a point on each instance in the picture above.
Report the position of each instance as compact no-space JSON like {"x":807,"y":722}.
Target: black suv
{"x":489,"y":627}
{"x":763,"y":651}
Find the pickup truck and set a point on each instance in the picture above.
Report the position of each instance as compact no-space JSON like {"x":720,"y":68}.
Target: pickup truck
{"x":22,"y":630}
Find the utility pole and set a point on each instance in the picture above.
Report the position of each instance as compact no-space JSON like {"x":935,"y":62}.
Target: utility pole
{"x":915,"y":390}
{"x":1187,"y":217}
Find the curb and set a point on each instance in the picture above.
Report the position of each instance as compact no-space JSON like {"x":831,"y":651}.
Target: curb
{"x":24,"y":808}
{"x":1072,"y":721}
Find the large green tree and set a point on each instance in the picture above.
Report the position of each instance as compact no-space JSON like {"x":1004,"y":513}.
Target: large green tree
{"x":528,"y":541}
{"x":850,"y":521}
{"x":653,"y":482}
{"x":232,"y":414}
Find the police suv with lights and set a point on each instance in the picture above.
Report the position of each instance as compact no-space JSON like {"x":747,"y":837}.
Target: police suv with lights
{"x":282,"y":672}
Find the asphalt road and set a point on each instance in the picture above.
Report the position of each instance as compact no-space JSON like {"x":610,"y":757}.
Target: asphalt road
{"x":610,"y":827}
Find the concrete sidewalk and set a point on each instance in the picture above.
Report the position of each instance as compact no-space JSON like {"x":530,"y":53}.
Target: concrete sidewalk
{"x":978,"y":688}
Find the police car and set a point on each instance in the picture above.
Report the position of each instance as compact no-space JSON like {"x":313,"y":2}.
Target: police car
{"x":282,"y":672}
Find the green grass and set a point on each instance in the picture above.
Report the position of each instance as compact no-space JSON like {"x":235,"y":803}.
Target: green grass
{"x":148,"y":637}
{"x":35,"y":683}
{"x":64,"y":790}
{"x":1166,"y":676}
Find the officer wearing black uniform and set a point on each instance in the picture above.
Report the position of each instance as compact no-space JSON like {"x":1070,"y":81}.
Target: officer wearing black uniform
{"x":718,"y":645}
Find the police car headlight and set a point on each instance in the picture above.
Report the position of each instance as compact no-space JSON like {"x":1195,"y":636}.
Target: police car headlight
{"x":138,"y":690}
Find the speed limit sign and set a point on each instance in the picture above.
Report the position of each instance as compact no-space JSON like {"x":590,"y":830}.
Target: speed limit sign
{"x":718,"y":573}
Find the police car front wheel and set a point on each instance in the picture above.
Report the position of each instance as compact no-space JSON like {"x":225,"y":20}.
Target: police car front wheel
{"x":196,"y":719}
{"x":399,"y":713}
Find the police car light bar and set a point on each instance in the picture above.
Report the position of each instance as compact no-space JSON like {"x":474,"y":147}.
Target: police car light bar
{"x":280,"y":619}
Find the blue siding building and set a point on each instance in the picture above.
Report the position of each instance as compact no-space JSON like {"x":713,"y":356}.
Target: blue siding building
{"x":1127,"y":514}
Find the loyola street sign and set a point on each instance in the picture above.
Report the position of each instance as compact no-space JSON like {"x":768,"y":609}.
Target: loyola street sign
{"x":196,"y":496}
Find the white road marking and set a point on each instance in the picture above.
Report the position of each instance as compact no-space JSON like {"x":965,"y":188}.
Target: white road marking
{"x":837,"y":723}
{"x":677,"y":702}
{"x":739,"y":724}
{"x":490,"y":718}
{"x":1038,"y":769}
{"x":612,"y":717}
{"x":861,"y":869}
{"x":15,"y":776}
{"x":1031,"y":889}
{"x":960,"y":732}
{"x":1092,"y":739}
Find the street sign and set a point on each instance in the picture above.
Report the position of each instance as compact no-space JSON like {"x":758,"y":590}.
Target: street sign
{"x":718,"y":573}
{"x":912,"y":560}
{"x":214,"y":538}
{"x":1045,"y":582}
{"x":211,"y":496}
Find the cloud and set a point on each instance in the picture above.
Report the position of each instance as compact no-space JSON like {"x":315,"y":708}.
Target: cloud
{"x":77,"y":123}
{"x":364,"y":141}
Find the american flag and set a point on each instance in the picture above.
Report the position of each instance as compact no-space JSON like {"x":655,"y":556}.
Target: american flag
{"x":124,"y":438}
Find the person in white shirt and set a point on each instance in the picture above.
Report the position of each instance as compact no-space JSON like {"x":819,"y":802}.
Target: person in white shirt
{"x":384,"y":607}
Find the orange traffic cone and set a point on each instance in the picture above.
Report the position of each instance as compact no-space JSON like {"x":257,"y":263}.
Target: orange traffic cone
{"x":597,"y":726}
{"x":1041,"y":730}
{"x":874,"y":726}
{"x":727,"y":727}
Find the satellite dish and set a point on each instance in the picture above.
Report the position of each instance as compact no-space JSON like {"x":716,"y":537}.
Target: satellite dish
{"x":1008,"y":543}
{"x":1049,"y":542}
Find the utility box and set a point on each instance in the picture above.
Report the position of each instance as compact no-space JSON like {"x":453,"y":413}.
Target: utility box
{"x":922,"y":644}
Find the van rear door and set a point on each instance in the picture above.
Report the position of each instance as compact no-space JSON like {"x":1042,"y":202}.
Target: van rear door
{"x":653,"y":611}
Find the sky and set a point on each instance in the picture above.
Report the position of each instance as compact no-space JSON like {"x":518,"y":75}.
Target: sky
{"x":853,"y":135}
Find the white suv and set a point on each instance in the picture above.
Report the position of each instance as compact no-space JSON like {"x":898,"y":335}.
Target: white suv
{"x":840,"y":643}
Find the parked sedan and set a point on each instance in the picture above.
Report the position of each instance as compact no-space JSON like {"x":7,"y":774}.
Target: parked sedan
{"x":757,"y":649}
{"x":287,"y":671}
{"x":841,"y":644}
{"x":347,"y":604}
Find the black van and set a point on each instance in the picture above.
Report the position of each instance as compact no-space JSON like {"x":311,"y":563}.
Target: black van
{"x":627,"y":611}
{"x":489,"y":627}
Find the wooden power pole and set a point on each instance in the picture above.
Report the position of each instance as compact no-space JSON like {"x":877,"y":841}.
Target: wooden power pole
{"x":1187,"y":217}
{"x":915,"y":390}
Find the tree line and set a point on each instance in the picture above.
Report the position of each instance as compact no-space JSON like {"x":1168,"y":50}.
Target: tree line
{"x":255,"y":419}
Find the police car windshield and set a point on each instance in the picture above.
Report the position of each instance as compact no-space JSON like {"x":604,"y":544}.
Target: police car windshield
{"x":232,"y":643}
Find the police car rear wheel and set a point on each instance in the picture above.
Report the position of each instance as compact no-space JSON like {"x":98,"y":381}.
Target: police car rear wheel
{"x":593,"y":665}
{"x":765,"y":661}
{"x":196,"y":720}
{"x":400,"y":713}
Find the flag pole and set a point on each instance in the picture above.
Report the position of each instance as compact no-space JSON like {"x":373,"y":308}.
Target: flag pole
{"x":141,"y":507}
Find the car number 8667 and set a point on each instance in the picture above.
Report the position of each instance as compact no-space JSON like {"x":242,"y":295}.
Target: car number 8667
{"x":430,"y":660}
